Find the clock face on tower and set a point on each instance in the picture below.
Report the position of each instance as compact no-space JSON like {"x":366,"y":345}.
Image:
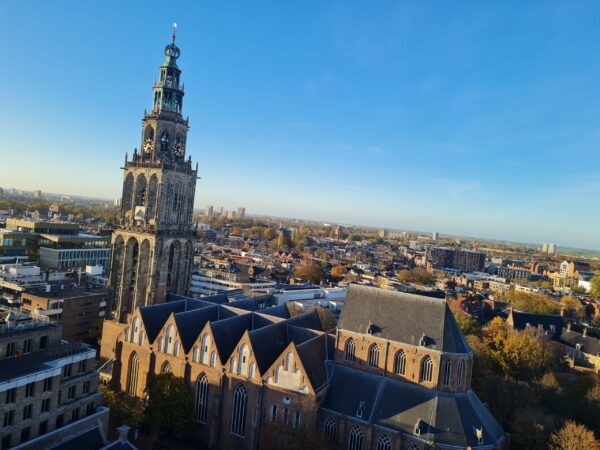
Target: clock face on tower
{"x":148,"y":146}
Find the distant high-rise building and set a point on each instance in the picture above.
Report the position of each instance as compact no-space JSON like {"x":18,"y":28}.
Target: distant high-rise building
{"x":435,"y":235}
{"x":117,"y":201}
{"x":241,"y":212}
{"x":208,"y":211}
{"x":382,"y":233}
{"x":37,"y":194}
{"x":220,"y":211}
{"x":549,"y":248}
{"x":461,"y":259}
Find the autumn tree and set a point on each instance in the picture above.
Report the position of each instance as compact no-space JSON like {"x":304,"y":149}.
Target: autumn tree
{"x":170,"y":406}
{"x":467,"y":324}
{"x":532,"y":302}
{"x":571,"y":306}
{"x":337,"y":272}
{"x":418,"y":275}
{"x":309,"y":270}
{"x":595,"y":287}
{"x":573,"y":436}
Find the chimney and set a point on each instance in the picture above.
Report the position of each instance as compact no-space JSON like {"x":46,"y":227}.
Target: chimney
{"x":123,"y":431}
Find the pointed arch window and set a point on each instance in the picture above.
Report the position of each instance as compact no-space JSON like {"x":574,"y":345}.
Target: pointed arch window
{"x":400,"y":362}
{"x":195,"y":354}
{"x":384,"y":443}
{"x":141,"y":339}
{"x":288,"y":361}
{"x":134,"y":329}
{"x":374,"y":355}
{"x":160,"y":344}
{"x":176,"y":349}
{"x":201,"y":398}
{"x":205,"y":349}
{"x":132,"y":375}
{"x":213,"y":359}
{"x":349,"y":350}
{"x":274,"y":413}
{"x":166,"y":367}
{"x":460,"y":373}
{"x":355,"y":442}
{"x":413,"y":447}
{"x":169,"y":339}
{"x":251,"y":370}
{"x":238,"y":413}
{"x":232,"y":365}
{"x":330,"y":430}
{"x":426,"y":369}
{"x":447,"y":373}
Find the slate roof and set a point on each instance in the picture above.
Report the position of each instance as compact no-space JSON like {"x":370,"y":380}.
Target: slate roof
{"x":587,"y":344}
{"x":402,"y":317}
{"x":313,"y":354}
{"x":521,"y":319}
{"x":446,"y":418}
{"x":89,"y":439}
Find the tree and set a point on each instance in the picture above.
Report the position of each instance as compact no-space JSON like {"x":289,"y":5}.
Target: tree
{"x":418,"y":275}
{"x":531,"y":302}
{"x":571,"y":306}
{"x":337,"y":272}
{"x":467,"y":324}
{"x":124,"y":409}
{"x":573,"y":436}
{"x":309,"y":270}
{"x":595,"y":287}
{"x":170,"y":406}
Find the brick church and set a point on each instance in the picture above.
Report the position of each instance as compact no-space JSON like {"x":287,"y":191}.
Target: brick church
{"x":395,"y":374}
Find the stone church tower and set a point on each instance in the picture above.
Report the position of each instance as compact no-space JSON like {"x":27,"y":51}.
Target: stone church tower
{"x":152,"y":249}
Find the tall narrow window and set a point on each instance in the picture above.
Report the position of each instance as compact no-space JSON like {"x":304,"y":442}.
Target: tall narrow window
{"x":355,"y":441}
{"x":201,"y":398}
{"x":232,"y":365}
{"x":205,"y":344}
{"x":213,"y":359}
{"x":400,"y":362}
{"x":426,"y":369}
{"x":274,"y":413}
{"x":134,"y":329}
{"x":288,"y":361}
{"x":447,"y":373}
{"x":374,"y":356}
{"x":169,"y":339}
{"x":251,"y":370}
{"x":330,"y":430}
{"x":384,"y":443}
{"x":132,"y":374}
{"x":460,"y":372}
{"x":238,"y":412}
{"x":349,"y":349}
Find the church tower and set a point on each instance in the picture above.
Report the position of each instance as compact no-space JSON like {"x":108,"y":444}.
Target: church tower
{"x":152,"y":244}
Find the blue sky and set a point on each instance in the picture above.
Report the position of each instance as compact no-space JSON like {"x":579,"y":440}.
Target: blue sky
{"x":475,"y":118}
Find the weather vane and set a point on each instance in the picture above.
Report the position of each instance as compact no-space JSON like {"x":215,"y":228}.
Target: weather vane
{"x":174,"y":30}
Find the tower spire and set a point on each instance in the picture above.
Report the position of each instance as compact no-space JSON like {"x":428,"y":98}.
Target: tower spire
{"x":174,"y":32}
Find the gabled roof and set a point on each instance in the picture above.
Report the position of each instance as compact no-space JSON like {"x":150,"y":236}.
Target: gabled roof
{"x":587,"y":344}
{"x":228,"y":332}
{"x":312,"y":354}
{"x":268,"y":343}
{"x":521,"y":319}
{"x":445,"y":418}
{"x":402,"y":317}
{"x":190,"y":323}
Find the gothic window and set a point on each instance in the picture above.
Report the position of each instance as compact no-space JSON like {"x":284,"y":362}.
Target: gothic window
{"x":426,"y":369}
{"x":274,"y":413}
{"x":355,"y":441}
{"x":205,"y":348}
{"x":277,"y":372}
{"x":201,"y":398}
{"x":400,"y":362}
{"x":160,"y":344}
{"x":384,"y":443}
{"x":244,"y":354}
{"x":127,"y":201}
{"x":140,"y":190}
{"x":169,"y":339}
{"x":349,"y":349}
{"x":213,"y":359}
{"x":232,"y":365}
{"x":166,"y":367}
{"x":176,"y":349}
{"x":373,"y":355}
{"x":460,"y":372}
{"x":447,"y":373}
{"x":285,"y":416}
{"x":413,"y":447}
{"x":330,"y":429}
{"x":134,"y":329}
{"x":152,"y":196}
{"x":296,"y":422}
{"x":288,"y":361}
{"x":132,"y":375}
{"x":149,"y":133}
{"x":238,"y":413}
{"x":141,"y":339}
{"x":251,"y":370}
{"x":195,"y":354}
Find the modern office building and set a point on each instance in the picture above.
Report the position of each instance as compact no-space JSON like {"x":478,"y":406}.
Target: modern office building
{"x":461,"y":259}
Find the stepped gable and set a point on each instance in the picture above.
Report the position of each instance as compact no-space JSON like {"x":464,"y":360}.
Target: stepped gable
{"x":402,"y":317}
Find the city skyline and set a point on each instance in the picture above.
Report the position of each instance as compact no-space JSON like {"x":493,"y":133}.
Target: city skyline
{"x":467,"y":130}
